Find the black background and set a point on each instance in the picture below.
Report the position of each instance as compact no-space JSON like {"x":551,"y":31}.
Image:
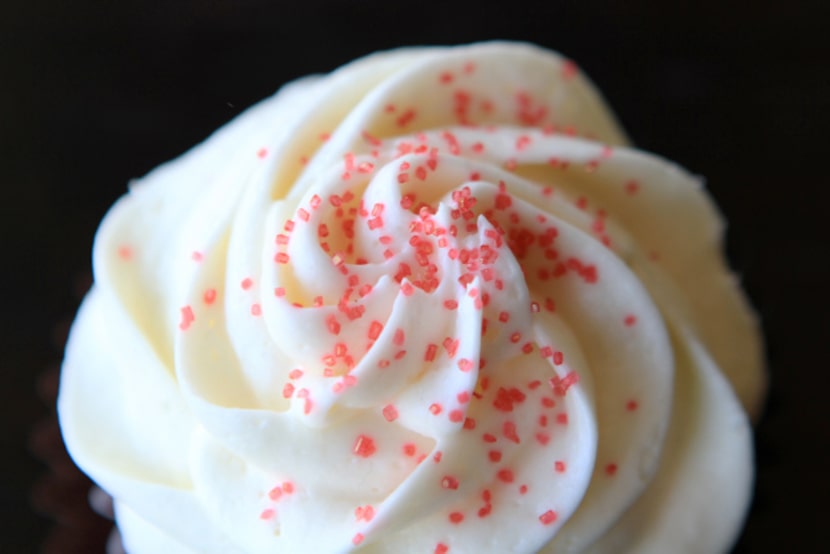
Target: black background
{"x":95,"y":93}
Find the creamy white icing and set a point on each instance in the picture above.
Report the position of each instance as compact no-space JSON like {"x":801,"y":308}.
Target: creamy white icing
{"x":431,"y":302}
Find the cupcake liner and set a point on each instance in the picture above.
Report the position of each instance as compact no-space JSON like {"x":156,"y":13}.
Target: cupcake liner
{"x":80,"y":513}
{"x":62,"y":493}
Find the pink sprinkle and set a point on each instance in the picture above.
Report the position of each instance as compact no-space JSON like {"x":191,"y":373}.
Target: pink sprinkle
{"x":465,"y":365}
{"x":632,"y":405}
{"x":125,"y":252}
{"x":390,"y":412}
{"x":295,"y":374}
{"x":197,"y":256}
{"x":405,"y":118}
{"x":333,"y":325}
{"x":209,"y":296}
{"x":409,"y":449}
{"x":187,"y":318}
{"x":449,"y":482}
{"x":435,"y":408}
{"x":429,"y":355}
{"x":456,"y":517}
{"x":364,"y":446}
{"x":288,"y":487}
{"x":267,"y":514}
{"x":365,"y":513}
{"x":451,"y":346}
{"x":456,"y":416}
{"x":630,"y":320}
{"x":399,"y":337}
{"x":523,"y":489}
{"x":548,"y":517}
{"x":631,"y":187}
{"x":559,"y":466}
{"x":494,"y":456}
{"x":441,"y":548}
{"x":558,"y":358}
{"x":375,"y":329}
{"x":463,"y":397}
{"x":611,"y":469}
{"x":505,"y":475}
{"x":509,"y":431}
{"x":279,"y":292}
{"x":275,"y":493}
{"x":561,"y":386}
{"x":375,"y":223}
{"x":256,"y":309}
{"x":357,"y":539}
{"x":261,"y":153}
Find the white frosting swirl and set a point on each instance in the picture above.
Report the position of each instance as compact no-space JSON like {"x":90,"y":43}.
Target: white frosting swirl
{"x":428,"y":303}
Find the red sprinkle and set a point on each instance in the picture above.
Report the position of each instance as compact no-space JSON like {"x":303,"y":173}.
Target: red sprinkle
{"x":449,"y":482}
{"x":390,"y":412}
{"x":364,"y":446}
{"x":187,"y":318}
{"x":548,"y":517}
{"x":365,"y":513}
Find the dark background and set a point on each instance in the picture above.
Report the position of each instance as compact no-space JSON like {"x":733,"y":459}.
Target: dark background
{"x":91,"y":96}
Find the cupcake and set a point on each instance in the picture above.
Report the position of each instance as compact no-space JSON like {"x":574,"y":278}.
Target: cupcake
{"x":432,"y":302}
